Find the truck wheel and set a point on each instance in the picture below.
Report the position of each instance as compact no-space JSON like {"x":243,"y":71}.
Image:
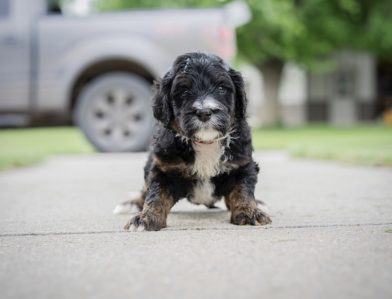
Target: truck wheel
{"x":114,"y":112}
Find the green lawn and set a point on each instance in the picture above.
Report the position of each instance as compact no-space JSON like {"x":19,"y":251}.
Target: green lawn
{"x":371,"y":145}
{"x":21,"y":147}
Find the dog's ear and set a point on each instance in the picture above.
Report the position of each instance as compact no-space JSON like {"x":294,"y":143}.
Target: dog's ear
{"x":161,"y":102}
{"x":240,"y":95}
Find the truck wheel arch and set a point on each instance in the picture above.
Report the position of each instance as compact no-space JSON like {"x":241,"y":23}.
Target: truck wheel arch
{"x":104,"y":66}
{"x":92,"y":57}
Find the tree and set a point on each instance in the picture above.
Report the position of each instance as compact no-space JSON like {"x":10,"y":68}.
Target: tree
{"x":307,"y":32}
{"x":302,"y":31}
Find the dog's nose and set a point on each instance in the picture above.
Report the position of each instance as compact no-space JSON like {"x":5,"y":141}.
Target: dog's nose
{"x":203,"y":114}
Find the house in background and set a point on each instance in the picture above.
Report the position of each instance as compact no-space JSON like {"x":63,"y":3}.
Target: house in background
{"x":348,"y":94}
{"x":358,"y":89}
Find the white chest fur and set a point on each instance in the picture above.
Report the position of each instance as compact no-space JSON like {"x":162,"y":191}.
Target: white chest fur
{"x":207,"y":160}
{"x":207,"y":164}
{"x":202,"y":193}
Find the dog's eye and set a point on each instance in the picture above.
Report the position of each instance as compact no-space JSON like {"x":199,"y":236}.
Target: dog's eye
{"x":185,"y":94}
{"x":222,"y":90}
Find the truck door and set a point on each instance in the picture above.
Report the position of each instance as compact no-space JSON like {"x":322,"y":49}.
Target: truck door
{"x":14,"y":56}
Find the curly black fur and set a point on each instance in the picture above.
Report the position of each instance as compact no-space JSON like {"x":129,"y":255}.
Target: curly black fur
{"x":200,"y":82}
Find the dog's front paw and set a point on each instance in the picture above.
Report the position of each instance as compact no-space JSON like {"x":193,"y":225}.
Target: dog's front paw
{"x":249,"y":216}
{"x":145,"y":221}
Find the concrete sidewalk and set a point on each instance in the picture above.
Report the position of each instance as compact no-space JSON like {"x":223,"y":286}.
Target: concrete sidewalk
{"x":331,"y":235}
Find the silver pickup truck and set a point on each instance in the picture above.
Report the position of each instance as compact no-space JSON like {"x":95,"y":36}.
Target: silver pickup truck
{"x":98,"y":69}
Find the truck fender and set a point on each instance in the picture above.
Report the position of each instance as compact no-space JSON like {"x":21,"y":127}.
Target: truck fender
{"x":138,"y":50}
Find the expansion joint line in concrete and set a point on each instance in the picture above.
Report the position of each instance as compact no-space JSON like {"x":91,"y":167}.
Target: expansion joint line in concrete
{"x":39,"y":234}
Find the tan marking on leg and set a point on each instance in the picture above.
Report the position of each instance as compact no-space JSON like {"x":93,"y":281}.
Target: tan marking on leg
{"x":154,"y":213}
{"x":171,"y":167}
{"x":244,"y":208}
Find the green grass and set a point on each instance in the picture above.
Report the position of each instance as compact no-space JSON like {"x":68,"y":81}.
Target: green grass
{"x":22,"y":147}
{"x":369,"y":145}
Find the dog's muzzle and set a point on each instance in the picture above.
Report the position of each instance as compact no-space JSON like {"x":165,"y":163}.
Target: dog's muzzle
{"x":204,"y":114}
{"x":205,"y":108}
{"x":204,"y":124}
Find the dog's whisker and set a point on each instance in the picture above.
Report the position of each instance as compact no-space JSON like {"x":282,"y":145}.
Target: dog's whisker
{"x":183,"y":138}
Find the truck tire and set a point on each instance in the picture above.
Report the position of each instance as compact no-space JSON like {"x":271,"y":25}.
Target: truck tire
{"x":114,"y":112}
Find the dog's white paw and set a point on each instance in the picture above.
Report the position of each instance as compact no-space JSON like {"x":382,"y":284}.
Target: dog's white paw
{"x":134,"y":194}
{"x":136,"y":228}
{"x":141,"y":228}
{"x":122,"y":209}
{"x":127,"y":207}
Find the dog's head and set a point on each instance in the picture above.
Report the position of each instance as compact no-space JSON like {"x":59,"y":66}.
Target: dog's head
{"x":200,"y":97}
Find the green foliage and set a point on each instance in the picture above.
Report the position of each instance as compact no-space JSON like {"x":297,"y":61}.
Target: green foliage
{"x":304,"y":31}
{"x":104,"y":5}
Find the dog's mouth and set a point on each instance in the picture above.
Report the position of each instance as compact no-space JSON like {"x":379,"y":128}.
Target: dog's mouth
{"x":206,"y":136}
{"x":199,"y":141}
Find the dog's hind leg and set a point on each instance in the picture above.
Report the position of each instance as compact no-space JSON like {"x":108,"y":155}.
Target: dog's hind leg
{"x":136,"y":201}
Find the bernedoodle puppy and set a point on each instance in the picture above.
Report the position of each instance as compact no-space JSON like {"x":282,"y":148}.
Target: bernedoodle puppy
{"x":202,"y":147}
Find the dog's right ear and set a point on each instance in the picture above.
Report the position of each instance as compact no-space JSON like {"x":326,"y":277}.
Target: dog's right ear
{"x":161,"y":102}
{"x":240,"y":95}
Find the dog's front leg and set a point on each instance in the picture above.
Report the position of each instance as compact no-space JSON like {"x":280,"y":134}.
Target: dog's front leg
{"x":243,"y":207}
{"x":156,"y":207}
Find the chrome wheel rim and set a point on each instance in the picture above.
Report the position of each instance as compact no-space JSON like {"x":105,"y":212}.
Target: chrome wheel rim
{"x":117,"y":115}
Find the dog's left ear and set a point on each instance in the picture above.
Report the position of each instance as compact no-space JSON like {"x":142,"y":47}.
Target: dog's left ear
{"x":161,"y":102}
{"x":240,"y":95}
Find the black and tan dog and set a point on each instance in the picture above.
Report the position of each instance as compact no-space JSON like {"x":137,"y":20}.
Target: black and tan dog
{"x":202,"y":148}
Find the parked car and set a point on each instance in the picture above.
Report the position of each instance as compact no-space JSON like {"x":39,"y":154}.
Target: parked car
{"x":98,"y":69}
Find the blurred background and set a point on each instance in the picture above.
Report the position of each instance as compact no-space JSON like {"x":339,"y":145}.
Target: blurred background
{"x":76,"y":75}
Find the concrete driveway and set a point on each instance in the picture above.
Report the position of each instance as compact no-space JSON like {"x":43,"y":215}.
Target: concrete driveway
{"x":331,"y":235}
